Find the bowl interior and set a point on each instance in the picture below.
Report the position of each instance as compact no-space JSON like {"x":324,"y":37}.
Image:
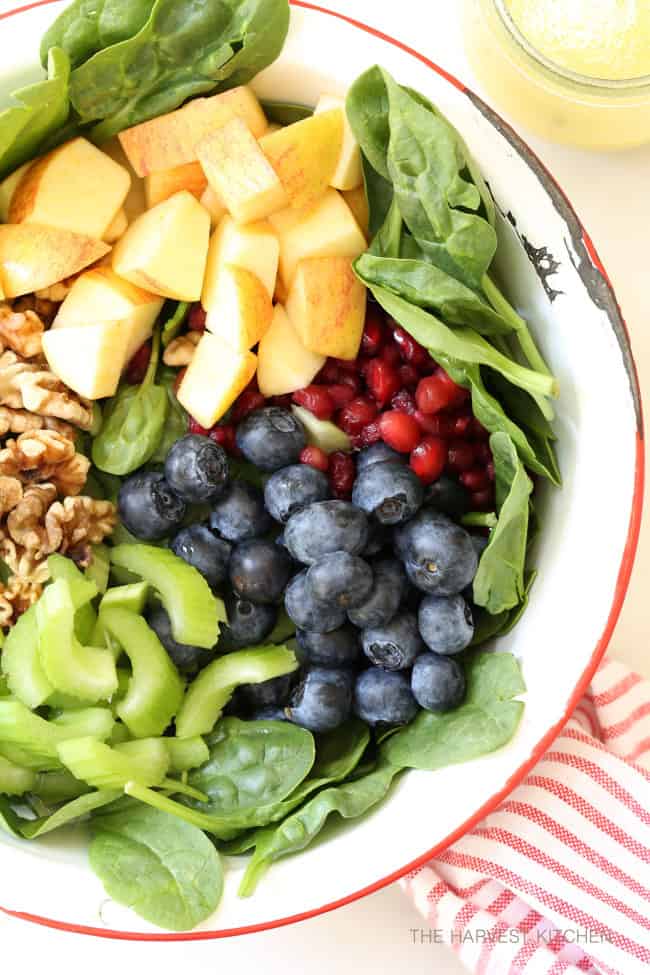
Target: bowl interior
{"x":583,"y":554}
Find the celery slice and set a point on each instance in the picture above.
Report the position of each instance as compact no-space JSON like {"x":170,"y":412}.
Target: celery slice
{"x":145,"y":762}
{"x":15,"y":780}
{"x":21,"y":662}
{"x":186,"y":753}
{"x":33,"y":735}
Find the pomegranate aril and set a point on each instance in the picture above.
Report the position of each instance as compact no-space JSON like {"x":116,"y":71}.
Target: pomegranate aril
{"x":196,"y":318}
{"x":195,"y":427}
{"x":459,"y":393}
{"x":403,"y":401}
{"x":429,"y":458}
{"x":478,"y":431}
{"x":399,"y":430}
{"x":340,"y":394}
{"x":315,"y":457}
{"x":437,"y":425}
{"x":347,"y":365}
{"x":382,"y":381}
{"x":374,"y":333}
{"x":489,"y":470}
{"x":483,"y":452}
{"x":369,"y":435}
{"x":461,"y":426}
{"x":461,"y":457}
{"x":342,"y":472}
{"x":356,"y":415}
{"x":475,"y":480}
{"x":351,"y":380}
{"x":410,"y":350}
{"x":330,"y":373}
{"x":284,"y":401}
{"x":409,"y":376}
{"x":225,"y":436}
{"x":483,"y":500}
{"x":317,"y":400}
{"x":137,"y":367}
{"x":434,"y":393}
{"x":391,"y":354}
{"x":249,"y":401}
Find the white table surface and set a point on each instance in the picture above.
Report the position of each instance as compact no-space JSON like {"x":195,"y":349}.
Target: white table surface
{"x":610,"y":191}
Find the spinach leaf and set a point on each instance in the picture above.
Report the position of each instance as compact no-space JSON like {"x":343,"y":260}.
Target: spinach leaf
{"x":484,"y":722}
{"x":499,"y":581}
{"x":462,"y":344}
{"x":175,"y":322}
{"x":367,"y":111}
{"x":10,"y":821}
{"x":379,"y":193}
{"x":351,"y":800}
{"x":516,"y":613}
{"x":87,"y":26}
{"x":520,"y":327}
{"x":133,"y":424}
{"x":176,"y":423}
{"x":286,"y":113}
{"x":42,"y":109}
{"x":166,"y":870}
{"x":488,"y":626}
{"x":479,"y":519}
{"x":184,"y":49}
{"x":386,"y":242}
{"x":81,"y":806}
{"x":428,"y":286}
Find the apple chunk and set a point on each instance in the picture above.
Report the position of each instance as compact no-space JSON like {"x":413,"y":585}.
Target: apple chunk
{"x":134,"y":203}
{"x":348,"y":172}
{"x":284,"y":364}
{"x":161,"y":185}
{"x":253,"y":246}
{"x":214,"y":205}
{"x":75,"y":187}
{"x":239,"y":172}
{"x":305,"y":155}
{"x":170,"y":140}
{"x":117,"y":227}
{"x":102,"y":295}
{"x":214,"y":379}
{"x":34,"y":257}
{"x":8,"y":187}
{"x":327,"y":306}
{"x":242,"y":309}
{"x":358,"y":202}
{"x":326,"y":230}
{"x":88,"y":358}
{"x":165,"y":249}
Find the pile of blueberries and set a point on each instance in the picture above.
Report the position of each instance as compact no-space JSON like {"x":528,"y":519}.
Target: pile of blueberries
{"x":377,"y":588}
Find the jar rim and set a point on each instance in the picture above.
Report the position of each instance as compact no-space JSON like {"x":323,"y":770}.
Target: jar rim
{"x":566,"y":74}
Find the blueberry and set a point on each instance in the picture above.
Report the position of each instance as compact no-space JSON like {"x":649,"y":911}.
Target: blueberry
{"x":340,"y":578}
{"x":269,"y":713}
{"x":293,"y":488}
{"x":325,"y":527}
{"x":379,"y":538}
{"x":187,"y":659}
{"x":260,"y":570}
{"x":248,"y":623}
{"x":270,"y":693}
{"x":322,"y":700}
{"x":378,"y":453}
{"x":340,"y":648}
{"x":308,"y":613}
{"x":446,"y":623}
{"x":197,"y":469}
{"x":199,"y":547}
{"x":271,"y":438}
{"x":438,"y":555}
{"x":384,"y":697}
{"x":438,"y":683}
{"x":383,"y":600}
{"x":240,"y":513}
{"x":391,"y":492}
{"x":448,"y":496}
{"x":148,"y":507}
{"x":395,"y":645}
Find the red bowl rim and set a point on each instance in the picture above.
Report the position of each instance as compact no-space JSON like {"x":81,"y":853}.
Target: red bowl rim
{"x":623,"y":579}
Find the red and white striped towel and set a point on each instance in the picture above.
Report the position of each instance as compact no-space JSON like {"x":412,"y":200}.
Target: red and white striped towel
{"x":557,"y":880}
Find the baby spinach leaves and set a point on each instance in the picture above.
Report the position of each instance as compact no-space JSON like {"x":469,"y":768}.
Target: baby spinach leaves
{"x":175,"y":322}
{"x":286,"y":113}
{"x":87,"y":26}
{"x":177,"y":420}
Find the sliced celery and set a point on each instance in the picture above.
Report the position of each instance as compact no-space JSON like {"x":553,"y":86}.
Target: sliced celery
{"x":145,"y":762}
{"x":35,"y":736}
{"x":132,"y":597}
{"x":100,"y":567}
{"x":21,"y":662}
{"x":82,"y":589}
{"x":15,"y":780}
{"x":186,"y":753}
{"x":55,"y":787}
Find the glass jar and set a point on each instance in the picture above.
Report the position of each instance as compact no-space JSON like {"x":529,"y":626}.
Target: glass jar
{"x":547,"y":98}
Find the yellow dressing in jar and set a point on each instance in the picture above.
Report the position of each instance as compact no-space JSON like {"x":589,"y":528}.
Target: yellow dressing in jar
{"x":575,"y":71}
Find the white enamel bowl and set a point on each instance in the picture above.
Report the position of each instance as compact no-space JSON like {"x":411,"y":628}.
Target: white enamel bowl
{"x":585,"y":552}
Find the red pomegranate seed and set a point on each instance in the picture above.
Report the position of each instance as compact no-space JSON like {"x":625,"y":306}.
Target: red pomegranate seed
{"x":340,"y":394}
{"x":399,"y":430}
{"x":403,"y":401}
{"x":179,"y":380}
{"x":347,"y":365}
{"x":429,"y":458}
{"x":383,"y":381}
{"x":330,"y":373}
{"x":459,"y":393}
{"x":137,"y":367}
{"x":462,"y":425}
{"x":315,"y":457}
{"x":317,"y":400}
{"x":483,"y":500}
{"x":284,"y":401}
{"x":249,"y":400}
{"x":434,"y":393}
{"x":411,"y":351}
{"x":478,"y":431}
{"x":483,"y":452}
{"x":195,"y":427}
{"x":461,"y":456}
{"x":342,"y":472}
{"x":475,"y":480}
{"x":489,"y":470}
{"x":409,"y":376}
{"x":357,"y":414}
{"x":351,"y":380}
{"x":438,"y":425}
{"x":196,"y":318}
{"x":369,"y":435}
{"x":374,"y":333}
{"x":391,"y":354}
{"x":225,"y":436}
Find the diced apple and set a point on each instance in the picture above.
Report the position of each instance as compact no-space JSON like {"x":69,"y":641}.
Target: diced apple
{"x":358,"y":202}
{"x":327,"y":306}
{"x":242,"y":310}
{"x":7,"y":189}
{"x":214,"y":379}
{"x":88,"y":358}
{"x":284,"y":364}
{"x":239,"y":172}
{"x":322,"y":433}
{"x":165,"y":249}
{"x":253,"y":246}
{"x":305,"y":155}
{"x":214,"y":205}
{"x":348,"y":173}
{"x":326,"y":230}
{"x":33,"y":257}
{"x":135,"y":202}
{"x":101,"y":295}
{"x":170,"y":140}
{"x":117,"y":228}
{"x":161,"y":185}
{"x":75,"y":187}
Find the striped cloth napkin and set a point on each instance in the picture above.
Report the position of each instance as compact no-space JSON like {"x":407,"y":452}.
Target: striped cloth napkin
{"x":557,"y":880}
